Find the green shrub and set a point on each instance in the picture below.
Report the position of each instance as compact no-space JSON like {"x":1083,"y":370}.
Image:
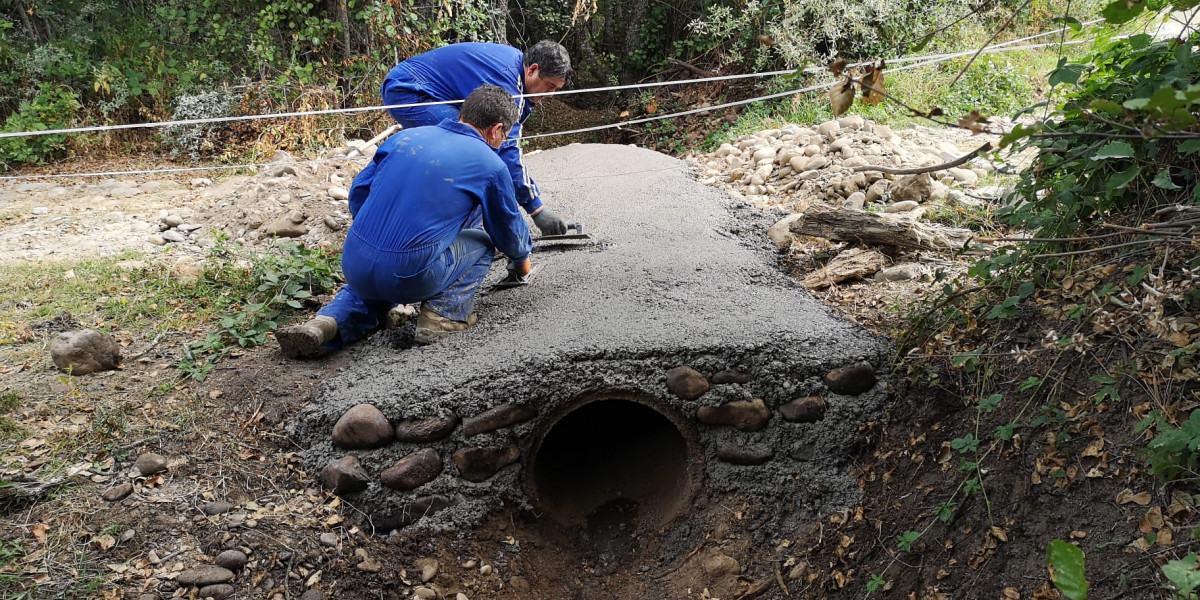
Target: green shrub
{"x":54,"y":107}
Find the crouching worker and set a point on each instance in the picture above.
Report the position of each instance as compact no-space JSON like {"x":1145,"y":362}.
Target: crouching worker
{"x":429,"y":212}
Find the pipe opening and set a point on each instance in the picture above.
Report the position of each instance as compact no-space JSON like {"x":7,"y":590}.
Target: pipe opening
{"x":612,"y":461}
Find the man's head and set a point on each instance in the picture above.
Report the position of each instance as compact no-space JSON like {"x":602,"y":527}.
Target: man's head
{"x":547,"y":67}
{"x":490,"y":110}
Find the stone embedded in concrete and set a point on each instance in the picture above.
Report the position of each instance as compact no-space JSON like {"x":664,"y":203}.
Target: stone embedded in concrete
{"x":754,"y":454}
{"x":687,"y":383}
{"x":344,"y":476}
{"x":730,"y":376}
{"x":413,"y":470}
{"x":746,"y":415}
{"x":313,"y":595}
{"x":117,"y":492}
{"x":495,"y":418}
{"x":363,"y":426}
{"x":479,"y":464}
{"x":85,"y":352}
{"x":852,"y":380}
{"x":411,"y":513}
{"x":204,"y":575}
{"x":150,"y":463}
{"x":219,"y":591}
{"x":804,"y":410}
{"x":233,"y":560}
{"x":424,"y":431}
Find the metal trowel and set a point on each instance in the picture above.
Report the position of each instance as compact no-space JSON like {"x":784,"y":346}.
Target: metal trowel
{"x":578,"y":235}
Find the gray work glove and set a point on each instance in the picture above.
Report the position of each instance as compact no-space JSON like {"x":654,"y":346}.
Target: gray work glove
{"x":550,"y":223}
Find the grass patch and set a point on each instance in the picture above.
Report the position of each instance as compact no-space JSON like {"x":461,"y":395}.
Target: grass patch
{"x":10,"y":430}
{"x":234,"y":298}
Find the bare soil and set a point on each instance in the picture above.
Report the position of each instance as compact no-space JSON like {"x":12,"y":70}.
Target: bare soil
{"x":224,"y":440}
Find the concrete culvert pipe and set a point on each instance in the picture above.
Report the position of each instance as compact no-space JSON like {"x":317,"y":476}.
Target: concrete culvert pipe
{"x":612,"y":458}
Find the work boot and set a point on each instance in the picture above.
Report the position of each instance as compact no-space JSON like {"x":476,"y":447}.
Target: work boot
{"x":305,"y":340}
{"x":431,"y":326}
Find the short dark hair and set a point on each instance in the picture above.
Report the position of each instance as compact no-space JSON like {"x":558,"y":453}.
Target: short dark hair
{"x":487,"y":105}
{"x":551,"y":58}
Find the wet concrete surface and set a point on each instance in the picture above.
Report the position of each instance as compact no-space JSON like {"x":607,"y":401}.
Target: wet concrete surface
{"x":677,"y":273}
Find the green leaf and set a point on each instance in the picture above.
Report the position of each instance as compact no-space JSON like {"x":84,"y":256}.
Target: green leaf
{"x":1121,"y":12}
{"x":1122,"y":179}
{"x":1189,"y":147}
{"x":294,"y":304}
{"x":1071,"y":22}
{"x":1163,"y":180}
{"x":1068,"y":74}
{"x":906,"y":540}
{"x":1066,"y":567}
{"x":1006,"y":432}
{"x":990,"y":403}
{"x":1136,"y":103}
{"x":1139,"y":273}
{"x":1183,"y":574}
{"x":1114,"y":150}
{"x":1104,"y":105}
{"x":1031,"y":382}
{"x":1026,"y":289}
{"x":920,"y":45}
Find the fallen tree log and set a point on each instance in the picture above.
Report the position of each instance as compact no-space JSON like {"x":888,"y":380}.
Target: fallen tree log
{"x":851,"y":264}
{"x":879,"y":229}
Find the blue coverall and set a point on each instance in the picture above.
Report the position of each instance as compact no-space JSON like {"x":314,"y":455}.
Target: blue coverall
{"x":418,"y":208}
{"x":452,"y":73}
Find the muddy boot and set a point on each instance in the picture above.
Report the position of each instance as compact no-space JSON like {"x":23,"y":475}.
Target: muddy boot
{"x":305,"y":340}
{"x":431,"y":326}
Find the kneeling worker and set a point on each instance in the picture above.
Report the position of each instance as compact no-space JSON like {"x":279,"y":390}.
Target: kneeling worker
{"x":430,"y":210}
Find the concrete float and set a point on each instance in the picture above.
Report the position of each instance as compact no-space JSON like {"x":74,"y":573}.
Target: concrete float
{"x":667,"y":358}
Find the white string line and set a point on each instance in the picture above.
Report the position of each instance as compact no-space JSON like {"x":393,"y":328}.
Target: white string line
{"x":939,"y":59}
{"x":332,"y":111}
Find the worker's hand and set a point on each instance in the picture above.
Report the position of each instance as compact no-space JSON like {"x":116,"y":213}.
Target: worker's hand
{"x":549,"y":223}
{"x":523,"y":268}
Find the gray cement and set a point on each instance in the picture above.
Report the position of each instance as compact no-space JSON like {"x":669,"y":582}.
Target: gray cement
{"x":677,"y":274}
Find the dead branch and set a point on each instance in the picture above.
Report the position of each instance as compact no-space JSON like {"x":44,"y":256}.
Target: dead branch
{"x":779,"y":579}
{"x":918,"y":170}
{"x":851,"y":264}
{"x":879,"y":229}
{"x":1113,"y":247}
{"x":690,"y":67}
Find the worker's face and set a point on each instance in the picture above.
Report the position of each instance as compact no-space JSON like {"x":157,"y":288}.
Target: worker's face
{"x":536,"y":84}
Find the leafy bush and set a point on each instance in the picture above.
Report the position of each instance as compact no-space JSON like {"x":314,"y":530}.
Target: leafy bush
{"x":54,"y":107}
{"x":193,"y":139}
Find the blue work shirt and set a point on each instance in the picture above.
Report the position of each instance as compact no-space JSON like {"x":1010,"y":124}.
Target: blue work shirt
{"x":424,"y":186}
{"x":453,"y":72}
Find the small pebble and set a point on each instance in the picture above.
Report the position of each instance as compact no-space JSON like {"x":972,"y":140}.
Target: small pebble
{"x":424,"y":593}
{"x":233,"y":560}
{"x":329,"y":539}
{"x":216,"y":508}
{"x":470,"y":564}
{"x":40,"y":210}
{"x":461,"y":596}
{"x":485,"y":570}
{"x":117,"y":492}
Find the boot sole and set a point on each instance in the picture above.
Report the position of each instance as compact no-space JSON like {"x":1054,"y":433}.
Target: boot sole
{"x":298,"y":343}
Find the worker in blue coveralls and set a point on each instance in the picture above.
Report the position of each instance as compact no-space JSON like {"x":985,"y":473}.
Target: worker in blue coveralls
{"x":430,"y":210}
{"x":451,"y":72}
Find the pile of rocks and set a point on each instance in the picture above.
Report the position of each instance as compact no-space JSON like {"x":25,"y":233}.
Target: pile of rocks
{"x":793,"y":166}
{"x":301,"y":200}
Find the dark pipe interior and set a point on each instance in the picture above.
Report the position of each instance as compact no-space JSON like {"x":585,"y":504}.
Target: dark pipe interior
{"x":612,"y":456}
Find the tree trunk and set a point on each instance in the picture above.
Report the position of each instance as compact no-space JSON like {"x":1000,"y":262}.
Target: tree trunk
{"x":879,"y":229}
